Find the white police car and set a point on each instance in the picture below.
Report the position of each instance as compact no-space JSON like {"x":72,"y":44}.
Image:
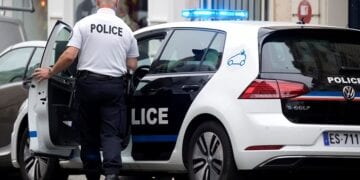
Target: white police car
{"x":214,"y":97}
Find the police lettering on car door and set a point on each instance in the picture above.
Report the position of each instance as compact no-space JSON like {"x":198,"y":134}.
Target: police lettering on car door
{"x":151,"y":116}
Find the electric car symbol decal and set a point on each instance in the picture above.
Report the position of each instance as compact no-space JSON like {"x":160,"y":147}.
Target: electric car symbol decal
{"x":238,"y":59}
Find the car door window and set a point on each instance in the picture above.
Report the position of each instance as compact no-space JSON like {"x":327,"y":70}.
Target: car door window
{"x":148,"y":48}
{"x":59,"y":47}
{"x":60,"y":44}
{"x":35,"y":61}
{"x":212,"y":59}
{"x":184,"y":51}
{"x":13,"y":63}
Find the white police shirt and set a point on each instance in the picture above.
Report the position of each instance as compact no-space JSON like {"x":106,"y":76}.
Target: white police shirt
{"x":105,"y":42}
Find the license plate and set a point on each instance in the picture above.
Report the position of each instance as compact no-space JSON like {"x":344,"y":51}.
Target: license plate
{"x":343,"y":139}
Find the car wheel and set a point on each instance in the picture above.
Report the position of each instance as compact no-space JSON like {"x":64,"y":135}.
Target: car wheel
{"x":181,"y":177}
{"x":36,"y":167}
{"x":210,"y":155}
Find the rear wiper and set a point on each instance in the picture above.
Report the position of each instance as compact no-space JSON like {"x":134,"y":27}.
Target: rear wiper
{"x":349,"y":70}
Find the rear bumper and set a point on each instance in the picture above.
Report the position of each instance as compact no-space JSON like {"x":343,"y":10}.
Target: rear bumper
{"x":311,"y":162}
{"x":294,"y":157}
{"x":262,"y":123}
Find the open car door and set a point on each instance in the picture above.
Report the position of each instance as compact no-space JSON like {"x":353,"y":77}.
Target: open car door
{"x":50,"y":101}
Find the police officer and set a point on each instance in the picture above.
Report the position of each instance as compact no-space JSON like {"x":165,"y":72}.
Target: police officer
{"x":106,"y":48}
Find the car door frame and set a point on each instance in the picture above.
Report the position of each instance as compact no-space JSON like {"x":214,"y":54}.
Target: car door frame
{"x":38,"y":108}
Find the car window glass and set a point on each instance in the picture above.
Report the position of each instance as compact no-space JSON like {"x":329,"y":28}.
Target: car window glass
{"x":148,"y":48}
{"x":35,"y":61}
{"x":313,"y":53}
{"x":13,"y":63}
{"x":183,"y":52}
{"x":60,"y":44}
{"x":59,"y":47}
{"x":279,"y":57}
{"x":213,"y":56}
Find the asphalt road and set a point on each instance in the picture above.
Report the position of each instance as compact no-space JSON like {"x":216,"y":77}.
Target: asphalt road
{"x":292,"y":175}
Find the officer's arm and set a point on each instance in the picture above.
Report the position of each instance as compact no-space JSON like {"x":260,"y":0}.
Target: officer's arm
{"x":132,"y":63}
{"x":65,"y":60}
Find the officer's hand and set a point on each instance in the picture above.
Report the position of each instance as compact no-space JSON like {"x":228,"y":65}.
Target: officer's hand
{"x":42,"y":74}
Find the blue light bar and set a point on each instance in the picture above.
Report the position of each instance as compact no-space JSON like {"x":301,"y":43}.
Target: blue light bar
{"x":215,"y":14}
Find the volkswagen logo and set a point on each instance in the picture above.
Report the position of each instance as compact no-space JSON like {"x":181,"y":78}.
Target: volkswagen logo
{"x":349,"y":93}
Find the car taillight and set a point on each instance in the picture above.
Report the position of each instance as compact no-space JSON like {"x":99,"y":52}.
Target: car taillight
{"x":273,"y":89}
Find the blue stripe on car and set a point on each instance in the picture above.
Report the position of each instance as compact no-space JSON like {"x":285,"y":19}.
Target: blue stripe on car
{"x":154,"y":138}
{"x":32,"y":134}
{"x":328,"y":93}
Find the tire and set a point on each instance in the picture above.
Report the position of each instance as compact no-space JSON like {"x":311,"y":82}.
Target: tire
{"x":35,"y":167}
{"x":181,"y":177}
{"x":209,"y":154}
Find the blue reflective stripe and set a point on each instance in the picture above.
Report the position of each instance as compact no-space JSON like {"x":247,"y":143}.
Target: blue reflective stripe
{"x":328,"y":93}
{"x":32,"y":134}
{"x":324,"y":93}
{"x":154,"y":138}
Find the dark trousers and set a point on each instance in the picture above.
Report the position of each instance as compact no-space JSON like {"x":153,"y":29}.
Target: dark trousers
{"x":102,"y":123}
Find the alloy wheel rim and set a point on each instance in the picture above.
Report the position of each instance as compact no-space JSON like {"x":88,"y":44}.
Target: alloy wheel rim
{"x":208,"y":157}
{"x":35,"y":166}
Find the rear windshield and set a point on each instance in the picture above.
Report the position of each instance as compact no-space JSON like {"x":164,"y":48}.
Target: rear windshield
{"x":311,"y":52}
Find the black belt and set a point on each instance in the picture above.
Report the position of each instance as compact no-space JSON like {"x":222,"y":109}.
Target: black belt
{"x":84,"y":73}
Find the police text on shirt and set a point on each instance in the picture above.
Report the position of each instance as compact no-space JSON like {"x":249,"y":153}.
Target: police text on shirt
{"x":106,"y":29}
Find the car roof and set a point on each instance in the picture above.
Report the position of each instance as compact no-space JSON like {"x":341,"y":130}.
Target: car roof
{"x":230,"y":25}
{"x":25,"y":44}
{"x":29,"y":44}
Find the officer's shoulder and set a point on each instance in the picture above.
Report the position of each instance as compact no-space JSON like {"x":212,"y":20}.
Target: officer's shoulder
{"x":84,"y":20}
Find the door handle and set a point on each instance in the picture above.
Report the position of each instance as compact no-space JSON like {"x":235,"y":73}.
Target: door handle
{"x":190,"y":88}
{"x":27,"y":83}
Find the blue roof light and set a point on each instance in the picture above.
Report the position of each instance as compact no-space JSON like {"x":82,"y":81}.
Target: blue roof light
{"x":203,"y":13}
{"x":215,"y":14}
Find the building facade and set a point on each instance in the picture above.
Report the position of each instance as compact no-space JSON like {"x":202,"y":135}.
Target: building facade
{"x":140,"y":13}
{"x":327,"y":12}
{"x":33,"y":14}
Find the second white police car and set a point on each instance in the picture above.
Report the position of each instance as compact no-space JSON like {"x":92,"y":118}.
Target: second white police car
{"x":211,"y":98}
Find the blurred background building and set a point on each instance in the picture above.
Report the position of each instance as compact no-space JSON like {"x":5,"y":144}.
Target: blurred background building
{"x":140,"y":13}
{"x":34,"y":20}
